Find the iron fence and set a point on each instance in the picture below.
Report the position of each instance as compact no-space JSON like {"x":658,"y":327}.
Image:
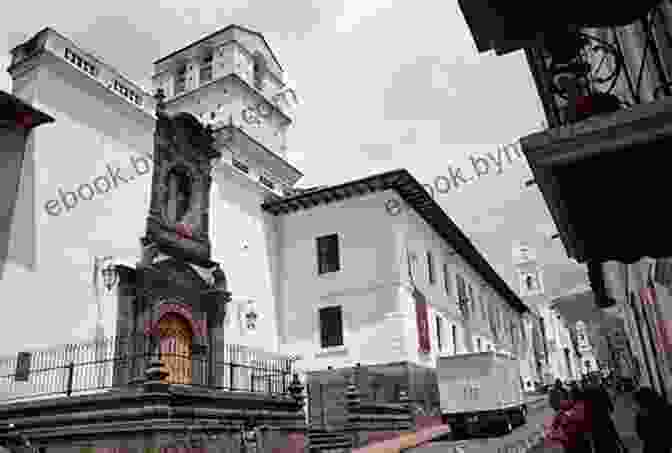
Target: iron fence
{"x":113,"y":362}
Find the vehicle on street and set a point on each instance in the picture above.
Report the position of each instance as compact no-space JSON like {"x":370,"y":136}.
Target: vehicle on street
{"x":480,"y":394}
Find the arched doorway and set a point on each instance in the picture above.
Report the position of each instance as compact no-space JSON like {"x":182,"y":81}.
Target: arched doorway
{"x":175,"y":342}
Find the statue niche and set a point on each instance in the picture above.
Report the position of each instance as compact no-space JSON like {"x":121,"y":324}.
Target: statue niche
{"x":184,"y":156}
{"x":178,"y":194}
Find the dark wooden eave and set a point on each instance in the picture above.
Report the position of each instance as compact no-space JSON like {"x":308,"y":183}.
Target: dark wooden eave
{"x":222,"y":30}
{"x":413,"y":193}
{"x":16,"y":113}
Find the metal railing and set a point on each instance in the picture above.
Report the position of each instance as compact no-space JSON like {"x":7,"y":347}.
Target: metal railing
{"x":113,"y":362}
{"x":617,"y":66}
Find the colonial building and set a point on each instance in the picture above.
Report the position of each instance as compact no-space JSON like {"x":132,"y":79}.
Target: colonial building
{"x":104,"y":127}
{"x":375,"y":273}
{"x":370,"y":272}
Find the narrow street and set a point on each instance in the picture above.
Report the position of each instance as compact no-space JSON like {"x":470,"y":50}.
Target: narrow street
{"x":624,"y":413}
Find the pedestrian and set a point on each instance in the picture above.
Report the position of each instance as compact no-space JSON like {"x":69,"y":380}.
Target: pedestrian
{"x":580,"y":421}
{"x":557,"y":394}
{"x":574,"y":389}
{"x":604,"y":434}
{"x":568,"y":428}
{"x":653,"y":414}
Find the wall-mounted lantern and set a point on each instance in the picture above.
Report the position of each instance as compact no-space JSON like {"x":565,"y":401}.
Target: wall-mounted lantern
{"x":251,"y":316}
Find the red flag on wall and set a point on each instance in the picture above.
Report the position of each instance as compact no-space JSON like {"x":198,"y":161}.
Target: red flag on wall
{"x":662,"y":326}
{"x":422,"y":318}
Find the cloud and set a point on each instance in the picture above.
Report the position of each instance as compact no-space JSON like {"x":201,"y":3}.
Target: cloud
{"x":410,"y":137}
{"x":378,"y":151}
{"x":354,"y":11}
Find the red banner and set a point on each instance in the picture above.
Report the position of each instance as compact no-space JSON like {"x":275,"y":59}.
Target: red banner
{"x":424,"y":342}
{"x":662,"y":327}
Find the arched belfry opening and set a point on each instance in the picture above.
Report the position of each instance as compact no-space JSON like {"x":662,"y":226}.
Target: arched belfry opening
{"x":175,"y":339}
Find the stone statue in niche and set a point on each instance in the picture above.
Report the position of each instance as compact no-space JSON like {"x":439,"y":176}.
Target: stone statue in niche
{"x":149,"y":252}
{"x":531,"y":283}
{"x":219,"y":277}
{"x":179,"y":194}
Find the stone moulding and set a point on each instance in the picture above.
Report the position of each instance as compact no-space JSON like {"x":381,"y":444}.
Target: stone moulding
{"x":112,"y":416}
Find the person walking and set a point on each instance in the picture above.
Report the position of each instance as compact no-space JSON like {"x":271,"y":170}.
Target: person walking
{"x":604,"y":434}
{"x":653,"y":415}
{"x":581,"y":420}
{"x":557,"y":394}
{"x":570,"y":426}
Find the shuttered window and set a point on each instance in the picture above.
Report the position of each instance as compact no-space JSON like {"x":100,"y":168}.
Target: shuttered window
{"x":446,"y":280}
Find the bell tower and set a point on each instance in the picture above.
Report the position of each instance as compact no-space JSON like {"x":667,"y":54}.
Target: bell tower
{"x":529,"y":271}
{"x":232,"y":81}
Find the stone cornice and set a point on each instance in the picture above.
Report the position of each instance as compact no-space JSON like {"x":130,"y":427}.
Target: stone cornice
{"x":127,"y":411}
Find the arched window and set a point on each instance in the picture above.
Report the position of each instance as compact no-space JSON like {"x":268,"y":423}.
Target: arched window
{"x":179,"y":194}
{"x":529,"y":281}
{"x":258,"y":69}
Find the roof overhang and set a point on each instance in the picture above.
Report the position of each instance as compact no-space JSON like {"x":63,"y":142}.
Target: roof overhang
{"x":16,"y":113}
{"x":413,"y":193}
{"x":602,"y":180}
{"x":260,"y":153}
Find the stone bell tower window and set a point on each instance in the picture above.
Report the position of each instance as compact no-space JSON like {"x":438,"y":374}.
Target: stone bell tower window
{"x":258,"y":70}
{"x":181,"y":80}
{"x":179,"y":194}
{"x":206,"y":68}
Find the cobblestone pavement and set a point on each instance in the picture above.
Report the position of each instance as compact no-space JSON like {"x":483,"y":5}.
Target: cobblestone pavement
{"x":624,"y":419}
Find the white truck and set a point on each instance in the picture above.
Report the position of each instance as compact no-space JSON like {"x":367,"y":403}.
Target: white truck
{"x":481,"y":394}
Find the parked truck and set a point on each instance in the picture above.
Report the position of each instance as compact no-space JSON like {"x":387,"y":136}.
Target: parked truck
{"x":481,"y":394}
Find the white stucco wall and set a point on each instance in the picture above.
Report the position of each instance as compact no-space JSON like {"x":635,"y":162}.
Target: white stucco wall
{"x":244,"y":241}
{"x":367,"y":285}
{"x":374,"y":247}
{"x":93,"y":128}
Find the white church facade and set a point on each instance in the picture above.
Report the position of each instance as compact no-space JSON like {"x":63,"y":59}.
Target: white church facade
{"x":370,"y":271}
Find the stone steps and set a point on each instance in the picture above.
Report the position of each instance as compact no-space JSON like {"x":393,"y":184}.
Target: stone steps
{"x":325,"y":441}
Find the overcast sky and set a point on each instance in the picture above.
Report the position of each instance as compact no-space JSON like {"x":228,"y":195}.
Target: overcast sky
{"x":384,"y":85}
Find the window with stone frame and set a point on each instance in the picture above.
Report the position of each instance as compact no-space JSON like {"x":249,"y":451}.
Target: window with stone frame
{"x":331,"y":326}
{"x":328,"y":254}
{"x":462,"y":298}
{"x":447,"y":284}
{"x":430,"y":268}
{"x":492,"y":320}
{"x":181,"y":80}
{"x":472,"y":299}
{"x":205,"y":74}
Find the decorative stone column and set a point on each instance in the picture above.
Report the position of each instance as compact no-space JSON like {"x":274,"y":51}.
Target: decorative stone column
{"x":352,"y":394}
{"x":296,"y":389}
{"x":156,"y":375}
